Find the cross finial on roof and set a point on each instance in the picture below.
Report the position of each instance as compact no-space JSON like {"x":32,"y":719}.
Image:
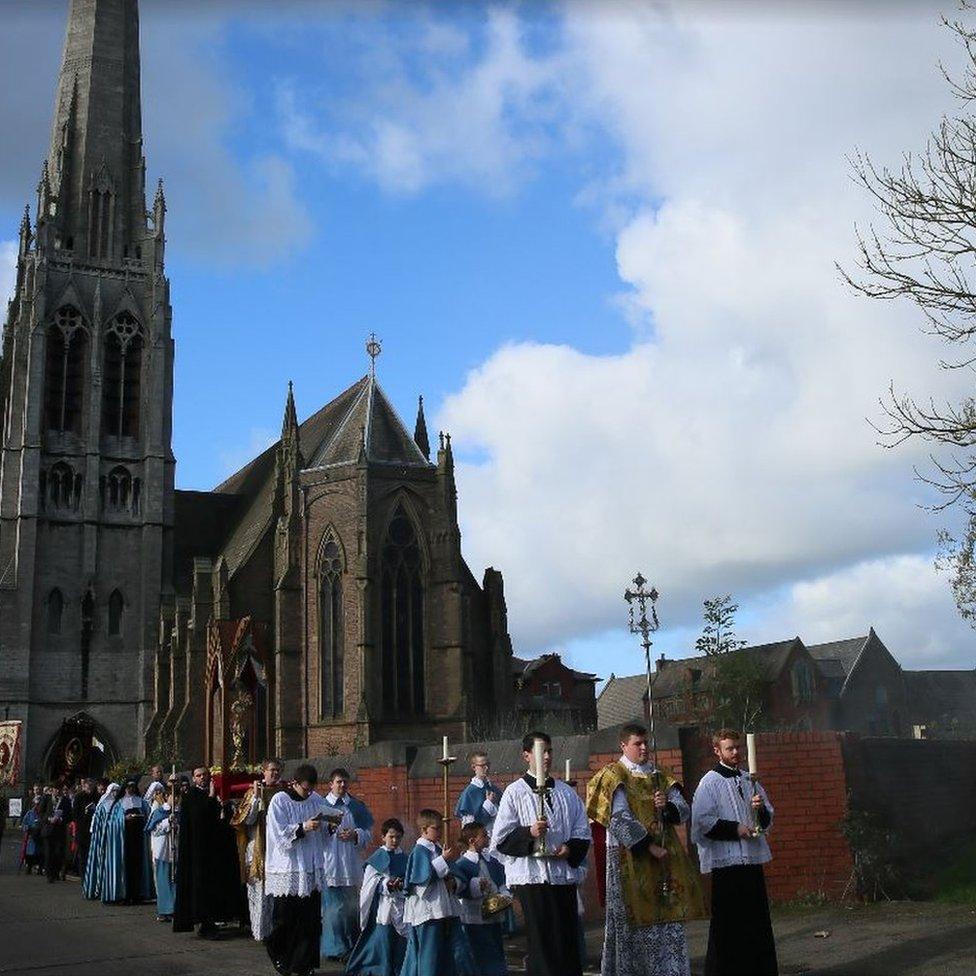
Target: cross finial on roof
{"x":373,"y":348}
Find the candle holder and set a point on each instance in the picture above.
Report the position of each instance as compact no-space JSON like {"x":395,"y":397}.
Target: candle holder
{"x":757,"y":829}
{"x":446,"y":762}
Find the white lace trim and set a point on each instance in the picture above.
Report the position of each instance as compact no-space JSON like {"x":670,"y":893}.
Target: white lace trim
{"x":301,"y":883}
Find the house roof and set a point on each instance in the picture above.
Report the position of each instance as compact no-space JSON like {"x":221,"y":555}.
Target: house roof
{"x":945,"y":697}
{"x":622,"y":698}
{"x":837,"y":658}
{"x":525,"y":667}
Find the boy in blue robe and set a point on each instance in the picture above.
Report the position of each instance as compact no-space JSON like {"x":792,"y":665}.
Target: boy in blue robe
{"x":478,"y":803}
{"x":436,"y":944}
{"x":382,"y":943}
{"x":474,"y":880}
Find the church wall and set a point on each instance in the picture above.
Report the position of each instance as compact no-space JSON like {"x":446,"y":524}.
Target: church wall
{"x":251,"y":587}
{"x":334,"y":506}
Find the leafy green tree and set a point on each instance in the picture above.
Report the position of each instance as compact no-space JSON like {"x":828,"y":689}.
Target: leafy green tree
{"x":718,"y":632}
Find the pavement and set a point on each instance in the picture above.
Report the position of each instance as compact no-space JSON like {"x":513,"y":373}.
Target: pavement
{"x":50,"y":930}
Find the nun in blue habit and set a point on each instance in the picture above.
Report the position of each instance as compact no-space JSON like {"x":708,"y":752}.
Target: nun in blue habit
{"x":92,"y":882}
{"x":382,"y":942}
{"x":159,"y":828}
{"x":126,"y":868}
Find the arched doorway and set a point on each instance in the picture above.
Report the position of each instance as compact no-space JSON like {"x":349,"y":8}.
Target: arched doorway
{"x":81,"y":747}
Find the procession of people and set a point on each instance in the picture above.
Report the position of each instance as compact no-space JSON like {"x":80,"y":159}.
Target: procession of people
{"x":295,"y":862}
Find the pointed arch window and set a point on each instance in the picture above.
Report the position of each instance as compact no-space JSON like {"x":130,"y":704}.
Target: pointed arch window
{"x":64,"y":371}
{"x":116,"y":607}
{"x":119,"y":491}
{"x":55,"y":611}
{"x":121,"y":383}
{"x":402,"y":599}
{"x":63,"y":487}
{"x":331,"y":645}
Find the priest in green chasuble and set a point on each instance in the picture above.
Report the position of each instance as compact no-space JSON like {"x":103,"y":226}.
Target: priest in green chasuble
{"x":652,"y":884}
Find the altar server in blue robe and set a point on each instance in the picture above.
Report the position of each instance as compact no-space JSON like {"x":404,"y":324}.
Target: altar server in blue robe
{"x":436,"y":944}
{"x":92,"y":882}
{"x":159,"y":827}
{"x":343,"y":845}
{"x":478,"y":801}
{"x":474,"y":881}
{"x":382,"y":942}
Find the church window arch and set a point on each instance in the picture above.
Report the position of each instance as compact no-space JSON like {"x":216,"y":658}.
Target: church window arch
{"x":55,"y":611}
{"x":64,"y":371}
{"x":116,"y":608}
{"x":122,"y":380}
{"x":402,"y":601}
{"x":331,"y":629}
{"x":119,"y":490}
{"x":63,"y":487}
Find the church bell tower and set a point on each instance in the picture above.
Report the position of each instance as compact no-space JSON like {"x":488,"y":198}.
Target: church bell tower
{"x":86,"y":393}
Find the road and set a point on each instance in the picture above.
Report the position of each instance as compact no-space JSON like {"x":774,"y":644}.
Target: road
{"x":50,"y":930}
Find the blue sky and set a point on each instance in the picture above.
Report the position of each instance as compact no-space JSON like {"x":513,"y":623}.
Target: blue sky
{"x":600,"y":240}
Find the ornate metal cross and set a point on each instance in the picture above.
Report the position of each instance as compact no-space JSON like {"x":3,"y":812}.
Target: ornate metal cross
{"x":639,"y":601}
{"x":373,"y":348}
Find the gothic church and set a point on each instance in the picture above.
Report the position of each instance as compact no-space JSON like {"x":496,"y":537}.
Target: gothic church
{"x":314,"y":602}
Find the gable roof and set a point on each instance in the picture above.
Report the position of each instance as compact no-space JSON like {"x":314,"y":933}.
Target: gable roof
{"x":332,"y":435}
{"x":370,"y":423}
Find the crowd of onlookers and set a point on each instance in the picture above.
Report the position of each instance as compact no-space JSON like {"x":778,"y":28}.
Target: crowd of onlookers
{"x":56,"y":828}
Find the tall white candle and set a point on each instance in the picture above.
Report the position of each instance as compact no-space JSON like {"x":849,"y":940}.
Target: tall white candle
{"x":538,"y":759}
{"x":568,"y":767}
{"x":751,"y":750}
{"x":445,"y":747}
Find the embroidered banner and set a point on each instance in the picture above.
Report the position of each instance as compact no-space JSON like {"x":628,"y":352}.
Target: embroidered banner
{"x":10,"y":733}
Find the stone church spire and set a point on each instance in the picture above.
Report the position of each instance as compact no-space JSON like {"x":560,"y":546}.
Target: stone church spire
{"x":95,"y":167}
{"x":420,"y":430}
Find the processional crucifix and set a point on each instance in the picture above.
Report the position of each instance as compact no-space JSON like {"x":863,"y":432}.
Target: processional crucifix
{"x":640,"y":601}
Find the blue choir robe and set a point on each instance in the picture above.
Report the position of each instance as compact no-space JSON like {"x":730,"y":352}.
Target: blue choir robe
{"x":92,"y":882}
{"x":113,"y":886}
{"x":161,"y":840}
{"x":484,"y":936}
{"x":382,"y":942}
{"x":436,"y":943}
{"x":473,"y":804}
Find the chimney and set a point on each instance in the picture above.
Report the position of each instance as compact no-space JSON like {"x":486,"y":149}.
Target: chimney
{"x":660,"y":664}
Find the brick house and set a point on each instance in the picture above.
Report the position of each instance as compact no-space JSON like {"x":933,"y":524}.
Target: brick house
{"x":546,"y":689}
{"x":865,"y":686}
{"x":794,"y":693}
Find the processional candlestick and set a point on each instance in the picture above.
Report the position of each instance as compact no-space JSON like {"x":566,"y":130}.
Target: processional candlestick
{"x":640,"y":601}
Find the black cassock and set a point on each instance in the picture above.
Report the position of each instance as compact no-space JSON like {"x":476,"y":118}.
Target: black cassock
{"x":208,"y":880}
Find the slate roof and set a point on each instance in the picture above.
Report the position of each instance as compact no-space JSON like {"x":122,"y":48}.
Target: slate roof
{"x":836,"y":659}
{"x":332,"y":435}
{"x":621,"y":700}
{"x":202,"y":520}
{"x":944,"y":697}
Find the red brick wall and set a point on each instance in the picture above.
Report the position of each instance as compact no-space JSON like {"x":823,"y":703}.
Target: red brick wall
{"x":803,"y":773}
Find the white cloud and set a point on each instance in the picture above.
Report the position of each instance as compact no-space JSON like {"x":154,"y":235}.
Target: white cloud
{"x":729,"y":449}
{"x":430,"y":110}
{"x":904,"y":598}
